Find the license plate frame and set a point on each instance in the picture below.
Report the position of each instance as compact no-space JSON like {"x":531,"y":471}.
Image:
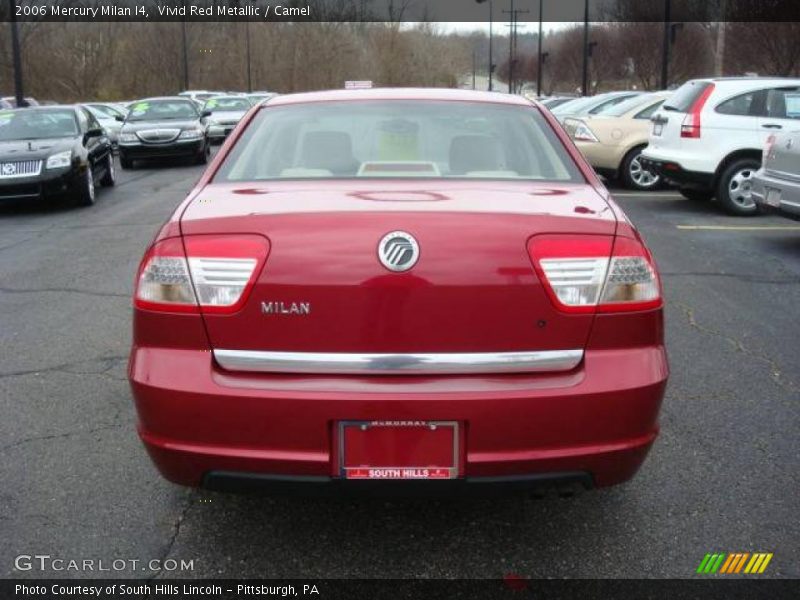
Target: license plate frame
{"x":772,"y":197}
{"x":442,"y":437}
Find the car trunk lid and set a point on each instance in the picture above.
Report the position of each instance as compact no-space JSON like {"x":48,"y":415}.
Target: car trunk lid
{"x":323,"y":288}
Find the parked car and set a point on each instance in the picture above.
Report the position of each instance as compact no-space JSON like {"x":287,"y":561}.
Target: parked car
{"x":224,"y":113}
{"x":707,"y":138}
{"x":12,"y":101}
{"x":776,"y":185}
{"x":398,"y":284}
{"x":199,"y":96}
{"x":258,"y":97}
{"x":5,"y":104}
{"x":109,"y":118}
{"x":53,"y":152}
{"x":612,"y":140}
{"x":554,"y":101}
{"x":163,"y":128}
{"x":590,"y":105}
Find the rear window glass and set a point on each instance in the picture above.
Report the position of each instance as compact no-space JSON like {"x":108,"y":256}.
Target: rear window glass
{"x":685,"y":96}
{"x":396,"y":138}
{"x":624,"y":106}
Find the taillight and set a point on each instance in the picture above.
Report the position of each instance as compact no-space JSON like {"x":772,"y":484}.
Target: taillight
{"x":588,"y":273}
{"x":208,"y":273}
{"x":690,"y":128}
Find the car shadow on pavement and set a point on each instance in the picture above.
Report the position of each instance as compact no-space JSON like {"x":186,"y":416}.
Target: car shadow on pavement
{"x":452,"y":537}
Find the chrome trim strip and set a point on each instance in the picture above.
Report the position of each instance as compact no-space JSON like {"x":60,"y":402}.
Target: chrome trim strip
{"x":336,"y":363}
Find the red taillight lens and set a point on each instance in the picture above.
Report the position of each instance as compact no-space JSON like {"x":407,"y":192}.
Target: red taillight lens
{"x":690,"y":128}
{"x":588,"y":273}
{"x":208,"y":273}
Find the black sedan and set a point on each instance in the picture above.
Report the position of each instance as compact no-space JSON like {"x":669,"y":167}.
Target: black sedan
{"x":53,"y":151}
{"x":161,"y":128}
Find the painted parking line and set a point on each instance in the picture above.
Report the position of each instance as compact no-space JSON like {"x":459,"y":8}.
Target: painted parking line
{"x":740,"y":227}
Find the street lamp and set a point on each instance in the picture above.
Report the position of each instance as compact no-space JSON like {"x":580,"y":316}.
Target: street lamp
{"x":15,"y":50}
{"x":540,"y":61}
{"x":491,"y":64}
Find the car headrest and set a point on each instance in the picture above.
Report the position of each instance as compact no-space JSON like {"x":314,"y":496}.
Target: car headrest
{"x":331,"y":150}
{"x":474,"y":153}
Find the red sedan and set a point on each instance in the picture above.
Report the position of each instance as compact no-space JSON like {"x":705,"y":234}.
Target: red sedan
{"x":398,"y":289}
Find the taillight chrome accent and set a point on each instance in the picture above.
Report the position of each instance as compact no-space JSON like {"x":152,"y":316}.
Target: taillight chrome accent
{"x":588,"y":273}
{"x":200,"y":273}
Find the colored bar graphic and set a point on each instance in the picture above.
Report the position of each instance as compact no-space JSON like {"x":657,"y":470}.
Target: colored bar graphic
{"x":734,"y":563}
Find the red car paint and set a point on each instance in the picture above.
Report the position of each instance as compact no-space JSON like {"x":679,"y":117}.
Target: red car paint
{"x":476,"y":288}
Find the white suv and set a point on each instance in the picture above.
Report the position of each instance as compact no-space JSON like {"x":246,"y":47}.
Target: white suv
{"x":708,"y":136}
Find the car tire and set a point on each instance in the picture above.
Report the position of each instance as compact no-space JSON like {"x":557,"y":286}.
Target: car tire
{"x":634,"y":176}
{"x":735,"y":183}
{"x":125,"y":162}
{"x":110,"y":177}
{"x":85,"y":194}
{"x":696,"y":195}
{"x":202,"y":159}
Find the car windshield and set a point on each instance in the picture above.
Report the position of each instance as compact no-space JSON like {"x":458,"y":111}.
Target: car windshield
{"x":157,"y":110}
{"x":399,"y":139}
{"x":627,"y":105}
{"x":26,"y":124}
{"x":236,"y":103}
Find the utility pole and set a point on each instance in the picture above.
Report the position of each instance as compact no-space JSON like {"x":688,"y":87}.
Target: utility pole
{"x":585,"y":79}
{"x":513,"y":21}
{"x":667,"y":43}
{"x":473,"y":69}
{"x":491,"y":40}
{"x":539,"y":62}
{"x":15,"y":50}
{"x":719,"y":54}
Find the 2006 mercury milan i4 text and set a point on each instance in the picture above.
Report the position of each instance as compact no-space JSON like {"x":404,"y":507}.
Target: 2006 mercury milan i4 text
{"x":429,"y":287}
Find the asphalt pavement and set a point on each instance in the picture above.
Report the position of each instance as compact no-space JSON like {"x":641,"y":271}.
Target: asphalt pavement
{"x":77,"y":484}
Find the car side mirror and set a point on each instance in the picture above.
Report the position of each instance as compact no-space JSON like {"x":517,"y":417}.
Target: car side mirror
{"x":119,"y":118}
{"x":97,"y":132}
{"x":205,"y":113}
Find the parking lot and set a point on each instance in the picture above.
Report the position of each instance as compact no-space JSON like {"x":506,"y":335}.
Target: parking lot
{"x":77,"y":483}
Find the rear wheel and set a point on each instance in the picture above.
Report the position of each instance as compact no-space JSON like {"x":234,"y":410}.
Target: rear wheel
{"x":85,"y":194}
{"x":734,"y":190}
{"x":634,"y":175}
{"x":696,"y":195}
{"x":110,"y":177}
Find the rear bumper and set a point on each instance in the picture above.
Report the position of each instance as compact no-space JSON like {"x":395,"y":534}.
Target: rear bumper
{"x":675,"y":174}
{"x":789,"y":205}
{"x":197,"y":421}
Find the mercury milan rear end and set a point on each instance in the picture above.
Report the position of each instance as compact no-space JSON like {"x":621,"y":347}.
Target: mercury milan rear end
{"x":427,"y":286}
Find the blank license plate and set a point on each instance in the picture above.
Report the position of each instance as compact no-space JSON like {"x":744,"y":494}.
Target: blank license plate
{"x":399,"y":449}
{"x":773,"y":197}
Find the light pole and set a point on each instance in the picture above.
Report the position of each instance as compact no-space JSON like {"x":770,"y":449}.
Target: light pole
{"x":15,"y":50}
{"x":247,"y":49}
{"x":665,"y":51}
{"x":491,"y":18}
{"x":539,"y":61}
{"x":185,"y":56}
{"x":585,"y":79}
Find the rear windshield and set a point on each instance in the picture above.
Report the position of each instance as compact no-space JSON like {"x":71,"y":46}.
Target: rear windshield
{"x":395,"y":138}
{"x":26,"y":124}
{"x":685,"y":96}
{"x":627,"y":105}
